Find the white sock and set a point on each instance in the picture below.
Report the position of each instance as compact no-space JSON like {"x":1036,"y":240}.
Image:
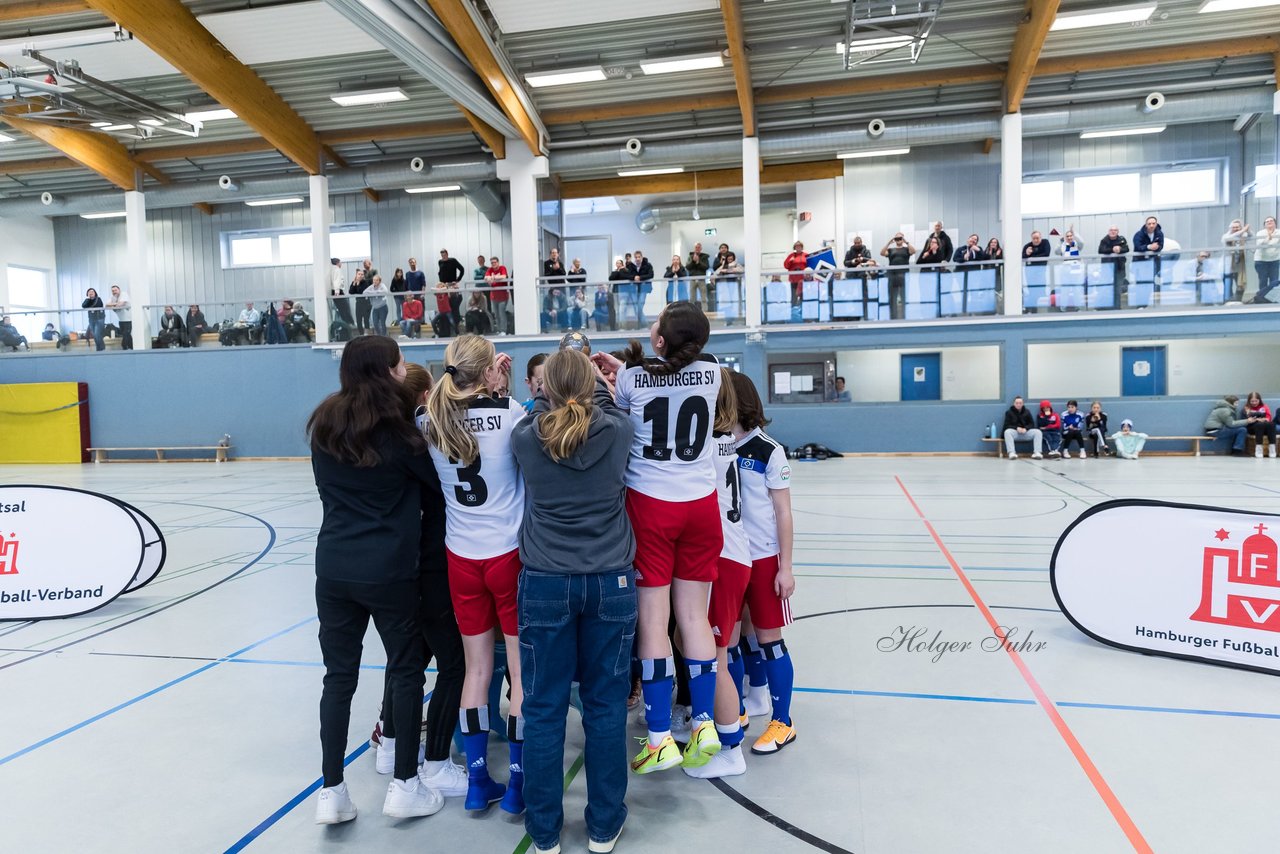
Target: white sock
{"x":655,"y":738}
{"x":434,"y":766}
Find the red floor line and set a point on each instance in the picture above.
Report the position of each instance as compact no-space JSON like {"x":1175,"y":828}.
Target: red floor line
{"x":1091,"y":771}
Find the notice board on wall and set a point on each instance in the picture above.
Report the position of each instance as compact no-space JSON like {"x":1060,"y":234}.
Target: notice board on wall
{"x":802,"y":381}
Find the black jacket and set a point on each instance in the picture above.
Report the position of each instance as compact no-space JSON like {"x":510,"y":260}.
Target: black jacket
{"x":553,"y":271}
{"x":857,"y":256}
{"x":965,"y":255}
{"x":171,"y":322}
{"x":398,"y":286}
{"x":95,"y":303}
{"x":698,"y":264}
{"x":449,"y":270}
{"x":1041,"y":251}
{"x":1107,"y":245}
{"x":1015,"y":418}
{"x":944,"y":240}
{"x":644,"y":270}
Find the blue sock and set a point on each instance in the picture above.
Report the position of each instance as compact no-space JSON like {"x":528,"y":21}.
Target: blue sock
{"x":730,"y":735}
{"x":737,"y":672}
{"x":781,"y":677}
{"x":756,"y":674}
{"x":656,"y":678}
{"x":702,"y":687}
{"x":475,"y":741}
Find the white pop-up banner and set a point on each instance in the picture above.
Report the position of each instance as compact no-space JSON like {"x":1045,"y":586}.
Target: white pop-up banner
{"x":1174,"y":579}
{"x":66,"y":551}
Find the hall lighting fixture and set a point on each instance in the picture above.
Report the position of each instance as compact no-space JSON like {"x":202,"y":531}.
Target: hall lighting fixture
{"x":640,"y":173}
{"x":100,"y":125}
{"x":541,"y":79}
{"x":364,"y":97}
{"x":213,"y":114}
{"x":1131,"y":14}
{"x":59,"y":41}
{"x":155,"y":123}
{"x":4,"y":137}
{"x":262,"y":203}
{"x":1102,"y":134}
{"x":442,"y":188}
{"x":881,"y":152}
{"x":116,"y":127}
{"x":108,"y":215}
{"x":869,"y":45}
{"x":1234,"y":5}
{"x":687,"y":63}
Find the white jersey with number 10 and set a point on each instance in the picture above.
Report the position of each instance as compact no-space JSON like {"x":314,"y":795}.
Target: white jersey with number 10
{"x":671,"y":454}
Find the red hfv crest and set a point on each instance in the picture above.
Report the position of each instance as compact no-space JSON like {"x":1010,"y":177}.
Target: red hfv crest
{"x":1242,"y":588}
{"x":8,"y":555}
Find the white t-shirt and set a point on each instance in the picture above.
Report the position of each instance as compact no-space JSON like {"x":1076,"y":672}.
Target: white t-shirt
{"x":736,"y":548}
{"x":674,"y":415}
{"x":762,"y":465}
{"x":484,"y":502}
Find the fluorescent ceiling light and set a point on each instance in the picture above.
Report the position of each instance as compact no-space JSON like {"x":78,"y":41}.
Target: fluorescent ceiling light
{"x":442,"y":188}
{"x":869,"y":45}
{"x":212,"y":114}
{"x":117,"y":127}
{"x":262,"y":203}
{"x":100,"y":125}
{"x":880,"y":152}
{"x":1101,"y":134}
{"x":155,"y":123}
{"x":1234,"y":5}
{"x":110,"y":215}
{"x":688,"y":63}
{"x":640,"y":173}
{"x":4,"y":137}
{"x":540,"y":79}
{"x":1131,"y":14}
{"x":385,"y":95}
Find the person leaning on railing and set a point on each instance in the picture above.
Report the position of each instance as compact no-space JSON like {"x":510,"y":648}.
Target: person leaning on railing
{"x":1236,"y":239}
{"x":696,"y":267}
{"x":970,"y":253}
{"x":1266,"y":260}
{"x":675,"y":274}
{"x":932,"y":253}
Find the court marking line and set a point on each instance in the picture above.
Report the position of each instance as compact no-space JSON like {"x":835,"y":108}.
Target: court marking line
{"x":527,"y":842}
{"x":138,"y":699}
{"x":1118,"y":812}
{"x":775,"y":820}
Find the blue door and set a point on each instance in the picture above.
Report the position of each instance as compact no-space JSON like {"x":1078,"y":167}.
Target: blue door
{"x":1142,"y":372}
{"x":922,"y":376}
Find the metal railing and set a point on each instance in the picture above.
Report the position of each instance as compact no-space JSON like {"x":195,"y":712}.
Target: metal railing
{"x":620,"y":305}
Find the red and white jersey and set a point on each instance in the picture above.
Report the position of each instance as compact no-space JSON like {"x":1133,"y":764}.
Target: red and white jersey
{"x":736,"y":547}
{"x":674,"y":415}
{"x":484,"y":502}
{"x":762,"y":466}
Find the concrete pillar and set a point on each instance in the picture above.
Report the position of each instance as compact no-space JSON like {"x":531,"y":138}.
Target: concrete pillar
{"x":139,"y":283}
{"x":1011,"y":209}
{"x":320,"y":222}
{"x":521,"y":169}
{"x":751,"y":251}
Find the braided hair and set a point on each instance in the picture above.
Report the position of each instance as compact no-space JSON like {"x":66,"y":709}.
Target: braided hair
{"x":684,"y":329}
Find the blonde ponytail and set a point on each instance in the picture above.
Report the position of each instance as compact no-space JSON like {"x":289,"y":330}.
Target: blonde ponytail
{"x":570,"y":383}
{"x":726,"y":403}
{"x":466,"y":359}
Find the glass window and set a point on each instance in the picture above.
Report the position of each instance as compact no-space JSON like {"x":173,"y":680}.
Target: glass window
{"x":1184,"y":187}
{"x":295,"y":248}
{"x":350,"y":244}
{"x":1267,"y":185}
{"x":28,"y":287}
{"x":1106,"y":193}
{"x":291,"y":246}
{"x":1042,"y":197}
{"x":250,"y":250}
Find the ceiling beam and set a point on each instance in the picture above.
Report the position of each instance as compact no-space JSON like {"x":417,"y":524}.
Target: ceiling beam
{"x":457,"y":19}
{"x":40,"y":9}
{"x":174,"y":33}
{"x":731,"y":10}
{"x":1162,"y":55}
{"x":44,"y":164}
{"x":372,"y":195}
{"x":636,"y":109}
{"x":204,"y":208}
{"x":96,"y":152}
{"x":847,"y":86}
{"x":1028,"y":41}
{"x":380,"y":133}
{"x":497,"y":142}
{"x":713,"y":179}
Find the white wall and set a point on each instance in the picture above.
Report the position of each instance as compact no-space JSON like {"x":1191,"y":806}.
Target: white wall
{"x":669,"y":238}
{"x":27,"y":242}
{"x":874,"y":376}
{"x":819,"y":198}
{"x":1058,"y":370}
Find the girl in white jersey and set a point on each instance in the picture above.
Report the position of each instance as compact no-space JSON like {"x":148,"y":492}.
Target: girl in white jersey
{"x":671,"y":500}
{"x":469,"y":434}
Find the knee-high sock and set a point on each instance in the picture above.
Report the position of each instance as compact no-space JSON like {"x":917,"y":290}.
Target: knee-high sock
{"x":475,"y":741}
{"x":738,"y":672}
{"x":656,"y":675}
{"x":756,"y":674}
{"x":781,"y":677}
{"x":730,"y":735}
{"x":515,"y":743}
{"x":702,"y":687}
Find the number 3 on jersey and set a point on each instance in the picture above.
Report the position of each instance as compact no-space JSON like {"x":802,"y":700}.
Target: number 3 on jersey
{"x":693,"y":421}
{"x":471,"y":490}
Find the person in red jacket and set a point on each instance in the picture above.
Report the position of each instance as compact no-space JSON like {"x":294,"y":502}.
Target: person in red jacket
{"x":799,"y":261}
{"x":411,"y":315}
{"x":1050,"y":425}
{"x":497,"y":278}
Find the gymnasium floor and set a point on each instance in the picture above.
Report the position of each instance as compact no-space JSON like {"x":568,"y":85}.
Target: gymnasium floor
{"x":183,"y":717}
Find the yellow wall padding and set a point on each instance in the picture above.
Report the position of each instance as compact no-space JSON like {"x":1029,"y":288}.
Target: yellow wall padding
{"x":44,"y":423}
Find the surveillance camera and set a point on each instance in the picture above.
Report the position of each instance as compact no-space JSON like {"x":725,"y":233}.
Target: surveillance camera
{"x":634,"y":147}
{"x":1153,"y":102}
{"x":46,"y":198}
{"x":875,"y":127}
{"x":417,"y":164}
{"x":227,"y":184}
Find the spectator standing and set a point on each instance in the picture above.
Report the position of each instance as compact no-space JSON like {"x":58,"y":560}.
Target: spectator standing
{"x":411,"y":314}
{"x":369,"y":270}
{"x":415,"y":280}
{"x":357,"y":289}
{"x":499,"y":282}
{"x":450,"y":272}
{"x":337,"y":278}
{"x":675,"y":274}
{"x":843,"y":395}
{"x":337,"y":282}
{"x":970,"y":253}
{"x":481,"y":270}
{"x":729,"y":277}
{"x":399,"y":285}
{"x":172,"y":333}
{"x":577,"y":273}
{"x":1019,"y":425}
{"x":97,"y":317}
{"x":1148,"y":243}
{"x":1266,"y":259}
{"x":641,"y":273}
{"x":899,"y":253}
{"x":1036,"y":248}
{"x":1223,"y":425}
{"x":696,"y":268}
{"x":1258,"y":416}
{"x":553,"y":269}
{"x":944,"y":240}
{"x":1113,"y":248}
{"x":932,"y":253}
{"x":120,"y":305}
{"x":722,"y":257}
{"x":1069,"y":246}
{"x":1236,"y":239}
{"x":380,"y":304}
{"x":858,"y":254}
{"x":196,"y":325}
{"x":797,"y":262}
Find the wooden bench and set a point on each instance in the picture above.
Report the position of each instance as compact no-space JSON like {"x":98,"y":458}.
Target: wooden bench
{"x":220,"y":454}
{"x":1194,"y":440}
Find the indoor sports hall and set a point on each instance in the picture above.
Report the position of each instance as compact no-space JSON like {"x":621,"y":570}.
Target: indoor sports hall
{"x":993,"y":285}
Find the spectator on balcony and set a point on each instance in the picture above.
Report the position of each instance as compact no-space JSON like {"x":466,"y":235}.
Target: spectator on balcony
{"x":553,"y":269}
{"x":298,"y":325}
{"x":360,"y":304}
{"x":858,"y":254}
{"x":1236,"y":239}
{"x":971,"y":252}
{"x":450,"y":271}
{"x":1019,"y":426}
{"x":1037,"y":248}
{"x":97,"y":316}
{"x":642,"y":275}
{"x":49,"y":333}
{"x":369,"y":270}
{"x":499,"y":282}
{"x":338,"y":297}
{"x":577,"y":273}
{"x":10,"y":336}
{"x":442,"y":324}
{"x":477,"y":317}
{"x":380,"y":305}
{"x":411,"y":314}
{"x":415,"y":279}
{"x":899,"y":253}
{"x":1148,"y":243}
{"x":696,"y":268}
{"x":722,"y":257}
{"x":944,"y":240}
{"x":995,"y":252}
{"x":555,"y":310}
{"x":399,"y":285}
{"x":932,"y":253}
{"x":1266,"y":260}
{"x":482,"y":267}
{"x":623,"y":291}
{"x":676,"y":276}
{"x":1113,"y":248}
{"x":728,"y":289}
{"x":1069,"y":246}
{"x":196,"y":325}
{"x":1223,"y":425}
{"x":172,"y":332}
{"x":120,"y":305}
{"x":578,"y":313}
{"x":603,"y":310}
{"x":797,"y":262}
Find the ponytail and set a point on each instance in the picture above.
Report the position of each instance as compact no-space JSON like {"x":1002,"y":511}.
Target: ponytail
{"x":726,"y":403}
{"x":466,"y":360}
{"x":569,"y":382}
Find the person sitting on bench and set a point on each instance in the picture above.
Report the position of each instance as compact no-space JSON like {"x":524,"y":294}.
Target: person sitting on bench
{"x":1019,"y":426}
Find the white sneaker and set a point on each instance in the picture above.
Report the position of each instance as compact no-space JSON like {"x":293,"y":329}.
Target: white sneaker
{"x":758,"y":703}
{"x":450,"y":779}
{"x":606,"y":846}
{"x":1273,"y":452}
{"x":1037,"y":456}
{"x":727,"y":763}
{"x":681,"y":722}
{"x":1055,"y":453}
{"x":1082,"y":454}
{"x":1013,"y":456}
{"x":1257,"y":451}
{"x":410,"y":799}
{"x":554,"y":849}
{"x":385,"y":756}
{"x":334,"y":805}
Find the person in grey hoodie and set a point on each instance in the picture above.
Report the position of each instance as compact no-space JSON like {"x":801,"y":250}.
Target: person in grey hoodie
{"x":1224,"y":425}
{"x":577,"y":595}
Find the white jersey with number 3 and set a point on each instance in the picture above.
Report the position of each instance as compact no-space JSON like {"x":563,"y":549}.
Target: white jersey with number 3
{"x":762,"y":466}
{"x":484,"y":502}
{"x":736,"y":548}
{"x":674,"y":414}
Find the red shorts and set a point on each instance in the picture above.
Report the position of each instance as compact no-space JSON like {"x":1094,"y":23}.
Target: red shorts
{"x":675,"y":539}
{"x":768,"y":611}
{"x":484,"y":592}
{"x":727,"y":595}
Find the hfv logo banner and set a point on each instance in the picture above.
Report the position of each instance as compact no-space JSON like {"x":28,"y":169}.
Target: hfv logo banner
{"x":1174,"y":579}
{"x":66,"y":551}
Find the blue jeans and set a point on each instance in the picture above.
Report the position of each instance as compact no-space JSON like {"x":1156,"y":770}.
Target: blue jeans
{"x":96,"y":329}
{"x":1234,"y":436}
{"x":379,"y":320}
{"x":576,"y":627}
{"x":677,"y":290}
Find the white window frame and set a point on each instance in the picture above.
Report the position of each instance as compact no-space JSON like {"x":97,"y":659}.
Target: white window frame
{"x":1144,"y":203}
{"x":227,"y":237}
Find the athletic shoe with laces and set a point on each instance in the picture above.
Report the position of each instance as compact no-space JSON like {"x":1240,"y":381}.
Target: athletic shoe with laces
{"x":681,"y":723}
{"x":410,"y":799}
{"x":776,"y":736}
{"x":450,"y":779}
{"x":703,"y":744}
{"x":757,"y":702}
{"x":606,"y":846}
{"x":334,"y":805}
{"x":482,"y":793}
{"x":1037,"y":456}
{"x":376,"y":738}
{"x":649,"y":759}
{"x":727,"y":763}
{"x":554,"y":849}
